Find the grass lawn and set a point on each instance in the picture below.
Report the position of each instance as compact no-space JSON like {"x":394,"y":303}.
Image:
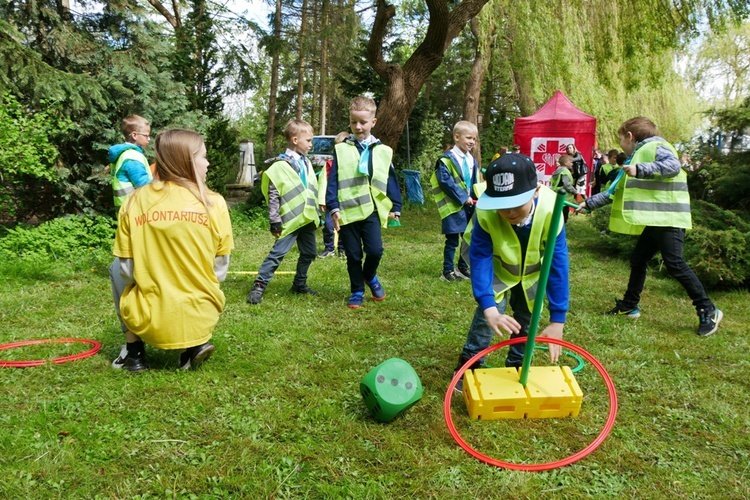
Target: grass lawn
{"x":277,"y":413}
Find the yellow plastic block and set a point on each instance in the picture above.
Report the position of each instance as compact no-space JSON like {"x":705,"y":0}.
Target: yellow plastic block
{"x":553,"y":392}
{"x":495,"y":393}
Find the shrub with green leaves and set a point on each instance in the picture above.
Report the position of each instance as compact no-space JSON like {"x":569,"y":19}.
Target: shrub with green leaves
{"x":62,"y":238}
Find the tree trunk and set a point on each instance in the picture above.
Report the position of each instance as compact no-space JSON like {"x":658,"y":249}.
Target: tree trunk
{"x":483,"y":34}
{"x":301,"y":66}
{"x":403,"y":83}
{"x":274,"y":81}
{"x":323,"y":69}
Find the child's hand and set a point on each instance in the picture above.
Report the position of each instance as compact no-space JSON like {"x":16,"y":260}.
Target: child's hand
{"x":498,"y":321}
{"x":582,"y":208}
{"x":276,"y":229}
{"x":554,"y":331}
{"x":322,"y":208}
{"x":392,"y":215}
{"x":630,"y":170}
{"x":336,"y":218}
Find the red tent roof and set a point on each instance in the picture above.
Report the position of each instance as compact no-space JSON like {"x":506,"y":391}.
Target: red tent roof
{"x":558,"y":109}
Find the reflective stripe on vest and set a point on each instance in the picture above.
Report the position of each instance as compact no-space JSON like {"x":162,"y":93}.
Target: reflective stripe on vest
{"x":445,"y":204}
{"x":357,"y":194}
{"x":509,"y":266}
{"x":298,"y":205}
{"x":661,"y":202}
{"x":121,"y":189}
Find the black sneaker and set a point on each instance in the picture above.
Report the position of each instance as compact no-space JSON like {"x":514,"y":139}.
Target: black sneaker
{"x":709,"y":321}
{"x":622,"y":310}
{"x":303,"y":289}
{"x":193,"y":357}
{"x":256,"y":294}
{"x":326,"y":253}
{"x":135,"y":364}
{"x":463,"y":273}
{"x":450,"y":276}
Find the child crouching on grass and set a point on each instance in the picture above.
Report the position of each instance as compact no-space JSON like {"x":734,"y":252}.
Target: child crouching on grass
{"x":509,"y":234}
{"x":173,"y":242}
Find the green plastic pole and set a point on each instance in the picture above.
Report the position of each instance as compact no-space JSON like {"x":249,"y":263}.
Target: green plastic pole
{"x":549,"y":250}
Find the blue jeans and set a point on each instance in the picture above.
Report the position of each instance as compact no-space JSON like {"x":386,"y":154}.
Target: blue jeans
{"x":449,"y":253}
{"x":480,"y":334}
{"x":305,"y":238}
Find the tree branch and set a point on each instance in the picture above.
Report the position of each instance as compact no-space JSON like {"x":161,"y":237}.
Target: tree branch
{"x":165,"y":13}
{"x":384,"y":13}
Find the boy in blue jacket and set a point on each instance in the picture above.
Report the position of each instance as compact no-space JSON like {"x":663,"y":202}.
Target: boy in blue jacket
{"x":455,"y":174}
{"x":506,"y":247}
{"x":128,"y":165}
{"x":362,"y":195}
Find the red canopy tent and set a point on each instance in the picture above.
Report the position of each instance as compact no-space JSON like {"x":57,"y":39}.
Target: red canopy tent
{"x":544,"y":135}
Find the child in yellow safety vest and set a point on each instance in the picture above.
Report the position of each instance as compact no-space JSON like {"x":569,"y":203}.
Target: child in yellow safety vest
{"x":507,"y":236}
{"x":362,"y":194}
{"x":452,"y":181}
{"x":291,"y":191}
{"x":651,"y":200}
{"x":562,"y":177}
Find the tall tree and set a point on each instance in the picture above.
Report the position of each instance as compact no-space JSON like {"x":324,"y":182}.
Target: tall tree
{"x":404,"y":82}
{"x":274,"y":45}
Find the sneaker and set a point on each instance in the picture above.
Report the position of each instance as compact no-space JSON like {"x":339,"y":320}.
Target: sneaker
{"x":709,"y":321}
{"x":195,"y":356}
{"x":256,"y":294}
{"x":450,"y":276}
{"x":622,"y":310}
{"x":135,"y":364}
{"x":303,"y":289}
{"x":355,"y":301}
{"x":463,"y":273}
{"x":119,"y":361}
{"x":378,"y":293}
{"x":459,"y":385}
{"x":326,"y":253}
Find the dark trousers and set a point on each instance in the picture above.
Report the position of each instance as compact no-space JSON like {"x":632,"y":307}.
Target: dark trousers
{"x":305,"y":239}
{"x":362,"y":239}
{"x":668,"y":241}
{"x":328,"y":233}
{"x":449,"y":253}
{"x":480,"y":334}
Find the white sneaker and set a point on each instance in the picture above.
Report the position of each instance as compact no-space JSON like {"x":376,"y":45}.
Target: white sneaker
{"x":119,"y":361}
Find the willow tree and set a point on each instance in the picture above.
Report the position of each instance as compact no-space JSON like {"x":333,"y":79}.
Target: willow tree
{"x":404,"y":82}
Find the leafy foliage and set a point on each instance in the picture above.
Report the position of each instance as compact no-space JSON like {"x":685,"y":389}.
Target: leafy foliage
{"x":222,"y":143}
{"x":62,"y":238}
{"x":28,"y":156}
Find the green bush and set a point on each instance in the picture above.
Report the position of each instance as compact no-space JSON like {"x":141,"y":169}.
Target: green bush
{"x":62,"y":238}
{"x":717,"y":248}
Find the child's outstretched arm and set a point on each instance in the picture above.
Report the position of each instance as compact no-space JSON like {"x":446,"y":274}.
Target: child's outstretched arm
{"x":665,"y":164}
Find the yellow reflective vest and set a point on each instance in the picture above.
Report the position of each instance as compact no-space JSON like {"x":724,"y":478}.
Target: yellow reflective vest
{"x":510,"y":267}
{"x":661,"y":202}
{"x":445,"y":204}
{"x":359,"y":195}
{"x":121,"y":189}
{"x":298,"y":204}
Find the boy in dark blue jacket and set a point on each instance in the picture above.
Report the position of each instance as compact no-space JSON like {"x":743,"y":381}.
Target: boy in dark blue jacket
{"x":455,"y":175}
{"x":510,"y":230}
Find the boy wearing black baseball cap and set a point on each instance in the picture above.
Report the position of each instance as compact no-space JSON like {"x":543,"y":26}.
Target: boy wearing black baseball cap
{"x":510,"y":230}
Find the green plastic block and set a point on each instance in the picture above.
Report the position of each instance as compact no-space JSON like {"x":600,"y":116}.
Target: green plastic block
{"x":390,"y":389}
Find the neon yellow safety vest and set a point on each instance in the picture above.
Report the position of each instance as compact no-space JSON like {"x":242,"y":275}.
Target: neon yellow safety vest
{"x":606,"y":169}
{"x":445,"y":204}
{"x":556,"y":181}
{"x":298,"y":205}
{"x":661,"y":202}
{"x":322,"y":185}
{"x":358,"y":195}
{"x":121,"y":189}
{"x":510,"y":268}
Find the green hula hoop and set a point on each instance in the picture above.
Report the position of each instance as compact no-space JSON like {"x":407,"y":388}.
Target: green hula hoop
{"x":573,"y":355}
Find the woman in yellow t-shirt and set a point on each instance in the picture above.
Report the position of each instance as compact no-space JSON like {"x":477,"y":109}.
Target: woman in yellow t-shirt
{"x":173,"y":239}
